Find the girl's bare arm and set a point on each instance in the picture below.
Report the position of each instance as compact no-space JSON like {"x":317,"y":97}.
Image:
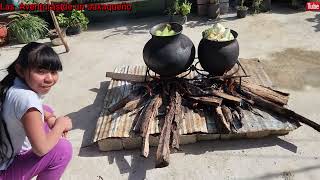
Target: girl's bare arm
{"x":41,"y":141}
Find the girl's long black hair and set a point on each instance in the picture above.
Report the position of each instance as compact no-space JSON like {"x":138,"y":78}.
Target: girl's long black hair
{"x":32,"y":56}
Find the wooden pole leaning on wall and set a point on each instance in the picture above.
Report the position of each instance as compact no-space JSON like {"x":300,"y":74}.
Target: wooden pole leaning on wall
{"x":56,"y":25}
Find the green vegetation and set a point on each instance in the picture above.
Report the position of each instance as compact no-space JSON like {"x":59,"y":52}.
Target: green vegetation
{"x":62,"y":20}
{"x":218,"y":33}
{"x":185,"y":8}
{"x":180,"y":8}
{"x":76,"y":19}
{"x":27,"y":28}
{"x":167,"y":31}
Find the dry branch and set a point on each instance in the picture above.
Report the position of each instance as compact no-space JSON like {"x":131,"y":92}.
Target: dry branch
{"x":194,"y":90}
{"x":225,"y":96}
{"x":214,"y":101}
{"x":137,"y":124}
{"x":127,"y":77}
{"x":176,"y":123}
{"x":134,"y":95}
{"x":134,"y":104}
{"x":269,"y":94}
{"x":163,"y":151}
{"x":227,"y":113}
{"x":147,"y":116}
{"x":223,"y":125}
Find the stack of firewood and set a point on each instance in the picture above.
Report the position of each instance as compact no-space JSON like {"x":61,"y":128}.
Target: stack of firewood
{"x":225,"y":99}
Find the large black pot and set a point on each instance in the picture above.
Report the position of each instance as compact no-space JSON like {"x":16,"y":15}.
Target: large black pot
{"x":168,"y":55}
{"x":218,"y":57}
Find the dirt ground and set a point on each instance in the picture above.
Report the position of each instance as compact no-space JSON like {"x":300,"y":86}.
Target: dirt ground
{"x":287,"y":43}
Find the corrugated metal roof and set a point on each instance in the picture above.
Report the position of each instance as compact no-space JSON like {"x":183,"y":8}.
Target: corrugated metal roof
{"x":120,"y":125}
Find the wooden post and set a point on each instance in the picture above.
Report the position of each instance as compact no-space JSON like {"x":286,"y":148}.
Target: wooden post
{"x":56,"y":25}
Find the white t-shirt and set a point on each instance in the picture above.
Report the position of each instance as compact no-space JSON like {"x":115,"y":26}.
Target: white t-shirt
{"x":19,"y":99}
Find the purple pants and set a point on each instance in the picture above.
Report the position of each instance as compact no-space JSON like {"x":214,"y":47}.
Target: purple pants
{"x":51,"y":166}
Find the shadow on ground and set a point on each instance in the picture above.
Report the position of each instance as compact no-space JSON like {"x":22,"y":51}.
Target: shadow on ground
{"x":316,"y":19}
{"x":137,"y":166}
{"x":86,"y":118}
{"x":294,"y":68}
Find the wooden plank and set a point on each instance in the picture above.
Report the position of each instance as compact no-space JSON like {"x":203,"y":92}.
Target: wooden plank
{"x":127,"y":77}
{"x":215,"y":101}
{"x":227,"y":97}
{"x":163,"y":151}
{"x":266,"y":92}
{"x":224,"y":125}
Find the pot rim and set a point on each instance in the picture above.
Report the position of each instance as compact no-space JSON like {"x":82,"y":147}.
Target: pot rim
{"x":233,"y":32}
{"x":177,"y":27}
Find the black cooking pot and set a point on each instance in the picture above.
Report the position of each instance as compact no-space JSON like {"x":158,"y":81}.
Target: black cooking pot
{"x":168,"y":55}
{"x":218,"y":57}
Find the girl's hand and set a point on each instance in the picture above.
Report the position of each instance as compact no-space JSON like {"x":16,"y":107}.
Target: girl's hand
{"x":51,"y":121}
{"x":65,"y":122}
{"x":65,"y":134}
{"x":50,"y":118}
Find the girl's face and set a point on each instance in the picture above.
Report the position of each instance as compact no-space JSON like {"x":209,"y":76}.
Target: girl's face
{"x":40,"y":80}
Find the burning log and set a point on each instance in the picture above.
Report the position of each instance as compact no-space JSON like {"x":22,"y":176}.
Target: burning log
{"x":175,"y":142}
{"x":139,"y":117}
{"x":192,"y":90}
{"x":269,"y":94}
{"x":163,"y":151}
{"x":134,"y":95}
{"x":127,"y":77}
{"x":147,"y":116}
{"x":136,"y":104}
{"x":214,"y":101}
{"x":176,"y":123}
{"x":228,"y":116}
{"x":229,"y":86}
{"x":237,"y":118}
{"x":227,"y":97}
{"x":223,"y":124}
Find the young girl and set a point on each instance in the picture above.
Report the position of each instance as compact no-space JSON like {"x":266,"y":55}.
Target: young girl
{"x":27,"y":147}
